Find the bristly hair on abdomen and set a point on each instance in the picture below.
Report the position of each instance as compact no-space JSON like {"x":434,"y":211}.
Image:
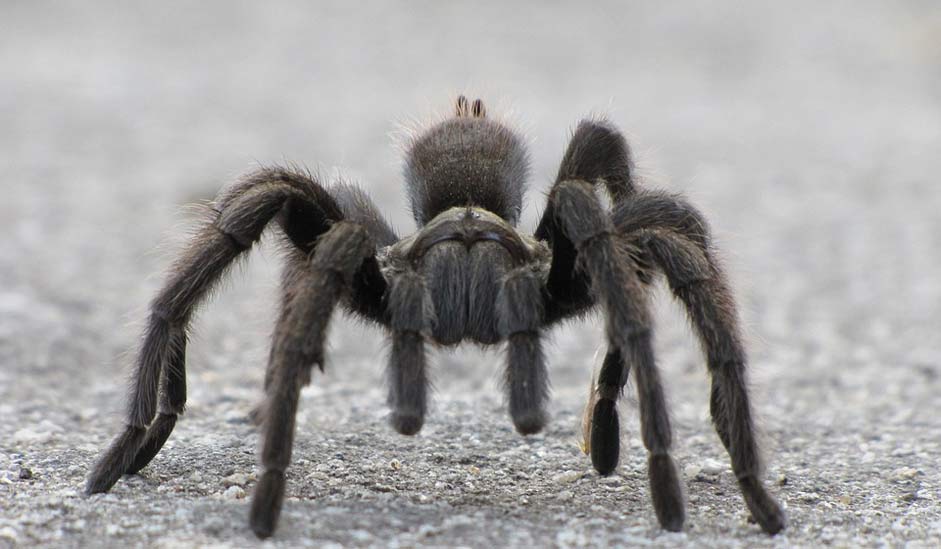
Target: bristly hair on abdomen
{"x":466,"y":160}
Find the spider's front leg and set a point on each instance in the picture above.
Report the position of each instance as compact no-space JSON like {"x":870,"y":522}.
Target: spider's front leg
{"x":241,"y":214}
{"x":312,"y":290}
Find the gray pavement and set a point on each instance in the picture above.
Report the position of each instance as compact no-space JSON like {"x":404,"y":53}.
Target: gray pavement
{"x":808,"y":133}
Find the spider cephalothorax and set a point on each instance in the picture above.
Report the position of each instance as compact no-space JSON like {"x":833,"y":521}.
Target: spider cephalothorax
{"x":467,"y":274}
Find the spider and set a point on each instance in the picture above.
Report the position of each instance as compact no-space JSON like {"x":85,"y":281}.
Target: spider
{"x":466,"y":274}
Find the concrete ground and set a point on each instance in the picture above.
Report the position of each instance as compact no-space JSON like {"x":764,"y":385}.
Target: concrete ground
{"x":809,"y":134}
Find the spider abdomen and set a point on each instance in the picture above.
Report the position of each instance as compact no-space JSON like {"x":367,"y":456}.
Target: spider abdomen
{"x":468,"y":160}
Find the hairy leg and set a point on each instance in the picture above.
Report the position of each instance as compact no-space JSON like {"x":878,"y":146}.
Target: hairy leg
{"x":240,"y":215}
{"x":597,"y":155}
{"x":605,"y":260}
{"x":698,"y":281}
{"x":665,"y":488}
{"x":407,"y":371}
{"x":298,"y":346}
{"x":520,"y":316}
{"x":172,"y":402}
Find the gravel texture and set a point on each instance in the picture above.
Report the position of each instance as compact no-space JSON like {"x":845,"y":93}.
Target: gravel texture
{"x":809,"y":133}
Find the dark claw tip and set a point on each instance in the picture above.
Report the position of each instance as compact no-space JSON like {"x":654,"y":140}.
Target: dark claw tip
{"x":93,"y":487}
{"x":673,"y":524}
{"x":530,"y":423}
{"x":406,"y":424}
{"x":262,"y":531}
{"x":266,"y":504}
{"x":666,"y":493}
{"x":775,"y":524}
{"x":763,"y":507}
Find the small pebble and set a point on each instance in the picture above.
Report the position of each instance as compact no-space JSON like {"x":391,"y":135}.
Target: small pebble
{"x":569,"y":537}
{"x":361,"y":536}
{"x":236,"y":479}
{"x":233,"y":492}
{"x":809,"y":497}
{"x":427,"y":531}
{"x":712,"y":467}
{"x":567,"y":477}
{"x":30,"y":435}
{"x":8,"y":533}
{"x":25,"y":474}
{"x":905,"y":473}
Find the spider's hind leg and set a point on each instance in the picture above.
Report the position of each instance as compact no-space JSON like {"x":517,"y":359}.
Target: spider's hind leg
{"x":698,"y":281}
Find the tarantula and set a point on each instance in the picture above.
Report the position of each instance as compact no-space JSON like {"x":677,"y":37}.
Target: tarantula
{"x":467,"y":274}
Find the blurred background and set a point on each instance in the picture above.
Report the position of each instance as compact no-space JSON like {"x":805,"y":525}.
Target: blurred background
{"x":808,"y":133}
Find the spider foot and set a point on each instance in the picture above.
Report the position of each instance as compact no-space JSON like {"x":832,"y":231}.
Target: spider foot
{"x":266,"y":504}
{"x":529,"y":422}
{"x":157,"y":435}
{"x":115,"y":461}
{"x":764,"y":509}
{"x":406,"y":423}
{"x":666,"y":493}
